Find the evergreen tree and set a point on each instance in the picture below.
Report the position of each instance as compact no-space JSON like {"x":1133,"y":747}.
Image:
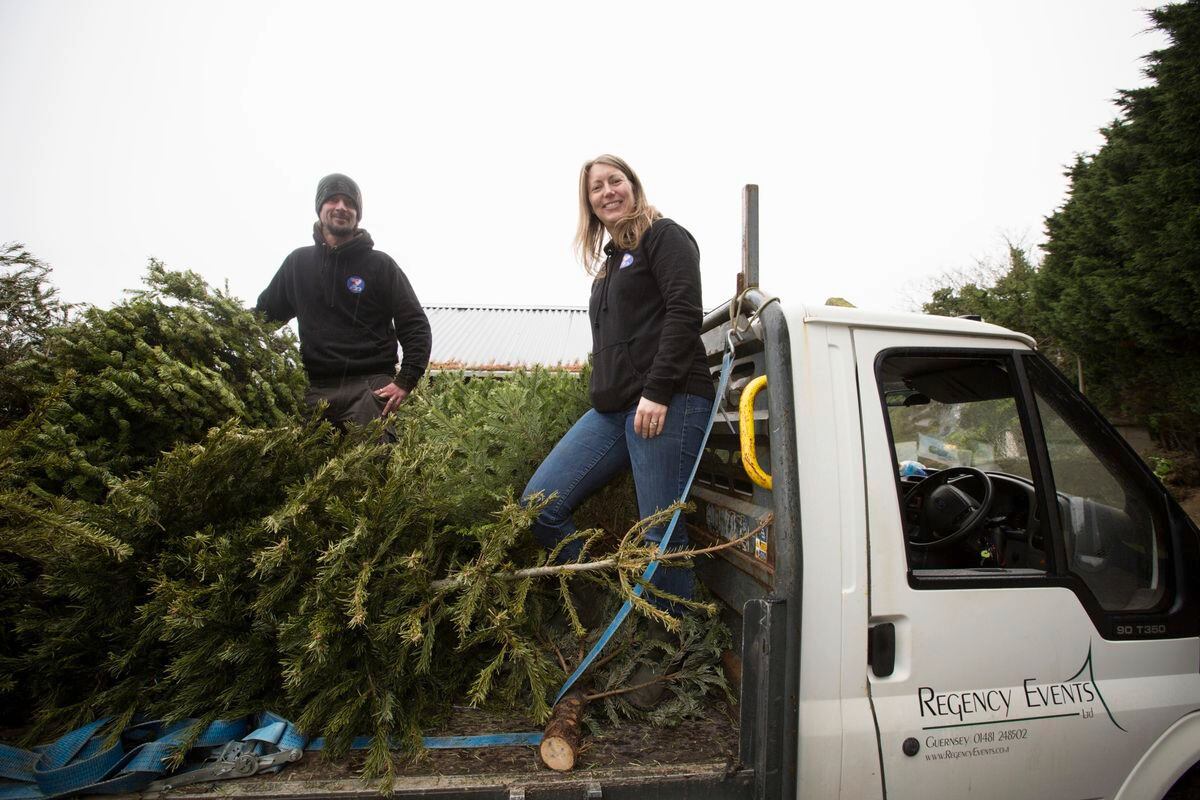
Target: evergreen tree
{"x":264,"y":561}
{"x":1120,"y":285}
{"x":29,"y":308}
{"x":109,"y":390}
{"x":89,"y":400}
{"x":1004,"y":294}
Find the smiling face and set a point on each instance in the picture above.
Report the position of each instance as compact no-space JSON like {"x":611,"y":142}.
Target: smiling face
{"x":610,"y":194}
{"x":338,"y":216}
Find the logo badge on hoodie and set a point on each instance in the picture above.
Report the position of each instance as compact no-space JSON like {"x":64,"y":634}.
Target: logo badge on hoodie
{"x":626,"y":260}
{"x":355,"y":284}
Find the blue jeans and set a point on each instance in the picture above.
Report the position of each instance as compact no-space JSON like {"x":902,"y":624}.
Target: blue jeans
{"x":599,"y":447}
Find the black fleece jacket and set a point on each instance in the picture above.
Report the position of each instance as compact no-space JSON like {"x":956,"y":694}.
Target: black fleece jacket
{"x":353,"y":303}
{"x":646,"y":314}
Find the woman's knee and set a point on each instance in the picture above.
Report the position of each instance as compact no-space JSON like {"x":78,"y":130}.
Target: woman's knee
{"x":551,"y":519}
{"x":551,"y":511}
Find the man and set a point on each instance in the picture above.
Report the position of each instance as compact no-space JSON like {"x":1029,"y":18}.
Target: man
{"x":353,"y":304}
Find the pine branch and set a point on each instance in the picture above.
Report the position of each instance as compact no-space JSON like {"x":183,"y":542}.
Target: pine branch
{"x":616,"y":562}
{"x":627,"y":689}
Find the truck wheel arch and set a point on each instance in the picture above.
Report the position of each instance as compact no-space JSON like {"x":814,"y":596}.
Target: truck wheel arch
{"x":1187,"y":787}
{"x":1165,"y":761}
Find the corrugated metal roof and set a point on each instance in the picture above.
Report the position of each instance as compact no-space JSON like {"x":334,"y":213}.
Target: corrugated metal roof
{"x":504,"y":338}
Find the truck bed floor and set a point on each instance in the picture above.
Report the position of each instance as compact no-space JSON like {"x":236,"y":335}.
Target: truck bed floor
{"x":624,"y":760}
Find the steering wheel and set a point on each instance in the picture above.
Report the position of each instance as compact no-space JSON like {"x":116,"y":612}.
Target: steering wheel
{"x":947,"y":512}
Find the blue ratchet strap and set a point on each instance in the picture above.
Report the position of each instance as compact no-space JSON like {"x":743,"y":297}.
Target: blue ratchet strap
{"x":146,"y":762}
{"x":276,"y":731}
{"x":75,"y":759}
{"x":80,"y":763}
{"x":722,"y":383}
{"x":529,"y":738}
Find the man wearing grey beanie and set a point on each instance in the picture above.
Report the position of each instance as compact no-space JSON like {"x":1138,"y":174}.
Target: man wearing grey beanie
{"x":353,"y":304}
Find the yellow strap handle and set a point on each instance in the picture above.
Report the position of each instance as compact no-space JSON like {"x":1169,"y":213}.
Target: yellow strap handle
{"x":746,"y":417}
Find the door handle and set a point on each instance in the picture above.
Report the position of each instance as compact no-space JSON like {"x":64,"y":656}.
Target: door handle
{"x":881,"y":649}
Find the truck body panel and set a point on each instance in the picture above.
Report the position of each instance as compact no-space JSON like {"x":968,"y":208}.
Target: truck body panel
{"x":1009,"y":688}
{"x":1165,"y":762}
{"x":838,"y":756}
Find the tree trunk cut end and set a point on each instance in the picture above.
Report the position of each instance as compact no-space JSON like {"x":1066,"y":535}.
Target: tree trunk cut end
{"x":560,"y":742}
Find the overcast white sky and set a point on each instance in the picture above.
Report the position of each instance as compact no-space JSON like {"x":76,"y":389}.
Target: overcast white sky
{"x":891,"y":141}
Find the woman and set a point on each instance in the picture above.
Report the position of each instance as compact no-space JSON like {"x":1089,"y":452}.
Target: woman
{"x":651,"y":390}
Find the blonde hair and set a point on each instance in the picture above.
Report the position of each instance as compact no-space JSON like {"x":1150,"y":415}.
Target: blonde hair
{"x":628,"y":231}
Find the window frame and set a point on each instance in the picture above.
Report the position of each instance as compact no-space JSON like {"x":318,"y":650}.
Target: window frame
{"x":1177,"y":612}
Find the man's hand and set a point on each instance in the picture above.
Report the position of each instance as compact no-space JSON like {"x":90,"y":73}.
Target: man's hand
{"x":650,"y":418}
{"x":394,"y":396}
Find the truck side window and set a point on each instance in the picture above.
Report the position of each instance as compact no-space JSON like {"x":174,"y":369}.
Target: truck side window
{"x":1106,"y":508}
{"x":968,"y":497}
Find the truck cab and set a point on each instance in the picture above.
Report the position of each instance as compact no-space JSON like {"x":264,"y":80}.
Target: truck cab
{"x":971,"y":586}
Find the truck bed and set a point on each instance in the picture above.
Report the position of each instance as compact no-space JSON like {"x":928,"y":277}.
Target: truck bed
{"x":699,"y":758}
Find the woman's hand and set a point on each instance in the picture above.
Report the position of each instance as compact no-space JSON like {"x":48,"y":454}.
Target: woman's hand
{"x":650,"y":418}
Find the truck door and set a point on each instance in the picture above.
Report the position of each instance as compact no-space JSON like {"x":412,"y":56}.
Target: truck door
{"x":1033,"y":630}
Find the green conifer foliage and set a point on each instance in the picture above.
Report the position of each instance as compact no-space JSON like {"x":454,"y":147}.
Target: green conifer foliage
{"x":289,"y":568}
{"x":114,"y":388}
{"x":87,"y":401}
{"x":1120,"y":284}
{"x":29,"y":307}
{"x":1003,"y":293}
{"x":263,"y":560}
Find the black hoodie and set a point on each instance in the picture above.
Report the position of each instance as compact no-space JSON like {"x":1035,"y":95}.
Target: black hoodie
{"x":646,"y":314}
{"x":353,"y":303}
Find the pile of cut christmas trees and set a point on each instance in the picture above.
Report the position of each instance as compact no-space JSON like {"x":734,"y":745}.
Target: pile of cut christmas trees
{"x":180,"y":538}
